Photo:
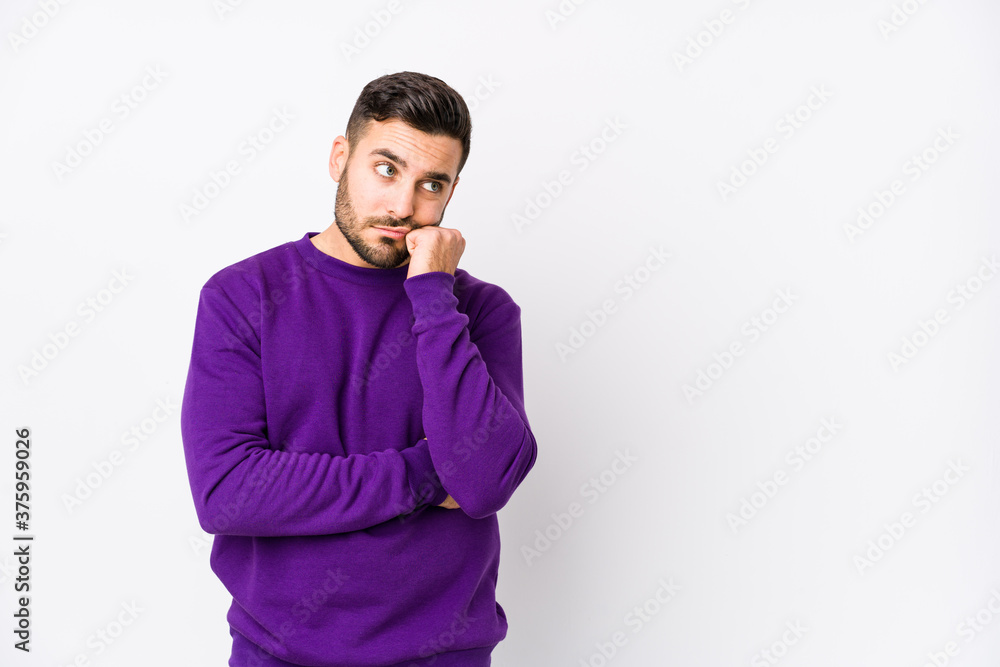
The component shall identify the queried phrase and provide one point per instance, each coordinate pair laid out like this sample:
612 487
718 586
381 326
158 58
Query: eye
387 167
434 186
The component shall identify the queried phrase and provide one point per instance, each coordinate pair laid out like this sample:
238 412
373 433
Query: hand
449 503
434 249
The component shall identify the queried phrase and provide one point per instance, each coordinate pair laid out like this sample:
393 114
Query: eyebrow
433 175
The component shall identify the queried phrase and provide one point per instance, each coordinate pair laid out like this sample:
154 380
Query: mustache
390 223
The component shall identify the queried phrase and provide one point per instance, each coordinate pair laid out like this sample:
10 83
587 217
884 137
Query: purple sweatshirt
328 410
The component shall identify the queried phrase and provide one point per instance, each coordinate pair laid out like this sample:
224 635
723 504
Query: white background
553 85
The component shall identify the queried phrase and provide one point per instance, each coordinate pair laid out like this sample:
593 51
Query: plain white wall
672 99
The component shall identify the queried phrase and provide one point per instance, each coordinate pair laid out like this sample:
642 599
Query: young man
353 417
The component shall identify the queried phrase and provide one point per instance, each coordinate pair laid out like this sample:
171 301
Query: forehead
421 151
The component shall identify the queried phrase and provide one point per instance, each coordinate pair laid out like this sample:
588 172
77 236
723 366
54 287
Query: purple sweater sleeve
473 413
243 484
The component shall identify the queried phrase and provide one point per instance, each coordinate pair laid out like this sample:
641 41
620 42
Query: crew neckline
338 268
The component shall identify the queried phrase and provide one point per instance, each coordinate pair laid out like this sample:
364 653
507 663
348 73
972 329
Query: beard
386 253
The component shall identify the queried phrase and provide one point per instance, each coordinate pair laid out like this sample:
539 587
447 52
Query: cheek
429 211
365 199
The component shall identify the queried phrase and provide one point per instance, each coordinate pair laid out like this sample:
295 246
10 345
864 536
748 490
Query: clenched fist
434 249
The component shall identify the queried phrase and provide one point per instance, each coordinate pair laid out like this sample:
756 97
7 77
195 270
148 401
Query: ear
338 156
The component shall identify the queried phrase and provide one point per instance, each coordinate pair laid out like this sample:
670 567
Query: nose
400 203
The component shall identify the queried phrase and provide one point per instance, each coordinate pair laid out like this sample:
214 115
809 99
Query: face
398 178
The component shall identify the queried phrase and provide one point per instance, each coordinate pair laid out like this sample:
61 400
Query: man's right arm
242 484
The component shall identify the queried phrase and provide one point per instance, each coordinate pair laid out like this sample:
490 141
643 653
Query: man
353 417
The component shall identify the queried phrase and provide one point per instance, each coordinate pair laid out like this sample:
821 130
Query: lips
394 232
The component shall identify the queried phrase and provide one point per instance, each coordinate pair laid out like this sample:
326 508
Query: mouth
393 232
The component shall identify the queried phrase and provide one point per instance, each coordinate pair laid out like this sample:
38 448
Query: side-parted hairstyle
423 102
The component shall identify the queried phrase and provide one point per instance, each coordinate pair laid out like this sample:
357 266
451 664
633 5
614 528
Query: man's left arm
473 412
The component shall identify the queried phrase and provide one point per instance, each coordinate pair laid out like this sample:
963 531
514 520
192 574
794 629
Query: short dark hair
423 102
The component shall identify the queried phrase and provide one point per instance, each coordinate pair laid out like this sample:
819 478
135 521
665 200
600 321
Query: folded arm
473 414
242 483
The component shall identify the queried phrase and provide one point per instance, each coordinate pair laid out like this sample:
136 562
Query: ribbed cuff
432 294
